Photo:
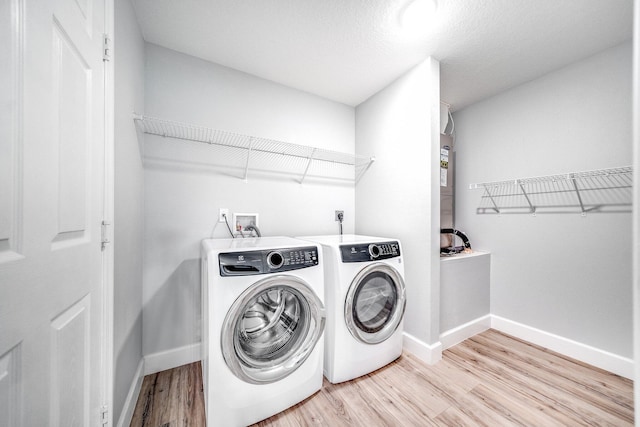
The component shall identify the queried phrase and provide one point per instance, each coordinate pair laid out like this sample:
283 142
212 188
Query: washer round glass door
375 303
271 329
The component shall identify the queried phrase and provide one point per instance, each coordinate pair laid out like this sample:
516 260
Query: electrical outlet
339 214
222 212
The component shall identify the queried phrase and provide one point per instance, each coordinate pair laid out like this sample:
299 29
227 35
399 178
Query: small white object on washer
365 300
263 319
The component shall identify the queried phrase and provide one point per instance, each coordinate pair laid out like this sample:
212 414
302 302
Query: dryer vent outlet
339 216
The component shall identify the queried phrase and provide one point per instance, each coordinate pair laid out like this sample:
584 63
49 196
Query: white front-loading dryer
365 300
263 322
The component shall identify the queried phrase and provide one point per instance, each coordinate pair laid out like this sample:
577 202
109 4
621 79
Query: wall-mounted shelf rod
178 130
254 146
601 190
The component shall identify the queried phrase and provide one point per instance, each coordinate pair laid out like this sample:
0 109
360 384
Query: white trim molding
132 397
460 333
429 353
619 365
170 359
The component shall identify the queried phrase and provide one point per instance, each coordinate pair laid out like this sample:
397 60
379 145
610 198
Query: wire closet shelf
602 190
305 156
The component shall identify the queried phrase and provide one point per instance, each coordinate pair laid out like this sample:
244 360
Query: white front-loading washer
263 322
365 300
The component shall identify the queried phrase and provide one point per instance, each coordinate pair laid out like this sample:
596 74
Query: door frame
108 369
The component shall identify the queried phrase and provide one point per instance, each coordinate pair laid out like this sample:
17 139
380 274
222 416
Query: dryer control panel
363 252
247 263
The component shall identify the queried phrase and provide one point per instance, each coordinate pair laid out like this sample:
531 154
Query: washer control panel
247 263
363 252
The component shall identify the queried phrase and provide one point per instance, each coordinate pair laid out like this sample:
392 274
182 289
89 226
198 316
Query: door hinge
106 47
104 415
105 234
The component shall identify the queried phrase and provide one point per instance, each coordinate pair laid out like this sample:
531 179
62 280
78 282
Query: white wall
183 190
399 197
561 273
128 220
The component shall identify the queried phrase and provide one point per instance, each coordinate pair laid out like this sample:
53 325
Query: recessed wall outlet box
242 220
339 214
222 212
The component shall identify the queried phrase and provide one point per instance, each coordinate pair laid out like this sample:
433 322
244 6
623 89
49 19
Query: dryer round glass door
375 303
271 329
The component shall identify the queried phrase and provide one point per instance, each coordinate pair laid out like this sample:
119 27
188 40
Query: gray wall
465 289
186 183
561 273
400 196
636 213
129 97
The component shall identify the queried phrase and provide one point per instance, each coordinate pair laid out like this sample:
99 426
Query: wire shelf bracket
601 190
256 146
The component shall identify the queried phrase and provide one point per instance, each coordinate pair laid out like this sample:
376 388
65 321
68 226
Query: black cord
228 228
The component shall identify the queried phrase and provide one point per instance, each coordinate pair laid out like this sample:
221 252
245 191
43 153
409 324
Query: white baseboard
132 397
423 351
173 358
458 334
619 365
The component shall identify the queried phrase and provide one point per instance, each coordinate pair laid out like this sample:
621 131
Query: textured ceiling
347 50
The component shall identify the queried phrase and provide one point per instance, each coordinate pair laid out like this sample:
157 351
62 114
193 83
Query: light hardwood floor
171 398
491 379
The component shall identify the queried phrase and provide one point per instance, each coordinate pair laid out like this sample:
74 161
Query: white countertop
463 255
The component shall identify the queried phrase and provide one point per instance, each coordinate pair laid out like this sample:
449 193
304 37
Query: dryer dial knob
275 260
374 251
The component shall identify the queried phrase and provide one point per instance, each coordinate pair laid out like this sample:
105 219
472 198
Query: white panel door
51 206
